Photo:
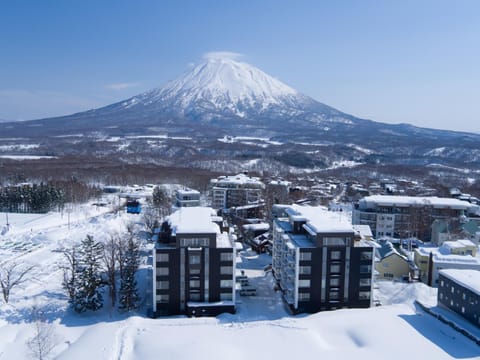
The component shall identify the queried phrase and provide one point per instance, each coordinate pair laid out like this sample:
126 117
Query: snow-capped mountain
225 98
222 86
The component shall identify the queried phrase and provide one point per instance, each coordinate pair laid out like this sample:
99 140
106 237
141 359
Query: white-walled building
234 191
407 216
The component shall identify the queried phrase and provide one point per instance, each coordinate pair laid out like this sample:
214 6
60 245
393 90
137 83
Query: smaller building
460 247
459 290
390 264
235 191
187 198
451 255
133 206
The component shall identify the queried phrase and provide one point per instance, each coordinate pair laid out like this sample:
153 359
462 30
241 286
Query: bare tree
44 338
121 253
110 260
70 272
12 275
150 219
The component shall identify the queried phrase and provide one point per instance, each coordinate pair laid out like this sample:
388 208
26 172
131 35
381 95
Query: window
463 310
162 257
334 241
365 282
305 270
194 242
303 283
194 259
303 296
226 283
464 296
365 269
335 282
364 295
194 271
453 289
335 255
226 296
162 285
333 295
194 283
226 270
366 255
441 296
162 271
305 256
334 269
163 298
441 282
226 256
195 296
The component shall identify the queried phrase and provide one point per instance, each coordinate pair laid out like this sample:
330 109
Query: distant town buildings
459 290
459 254
319 260
408 216
193 265
235 191
187 197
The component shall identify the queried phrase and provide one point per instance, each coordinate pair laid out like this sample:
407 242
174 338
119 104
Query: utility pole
6 215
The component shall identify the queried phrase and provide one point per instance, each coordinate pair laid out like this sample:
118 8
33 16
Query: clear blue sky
413 61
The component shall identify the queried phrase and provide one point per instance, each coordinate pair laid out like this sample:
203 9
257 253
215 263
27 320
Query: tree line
31 198
44 197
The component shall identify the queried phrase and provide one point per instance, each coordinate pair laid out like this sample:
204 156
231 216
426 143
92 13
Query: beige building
460 254
390 264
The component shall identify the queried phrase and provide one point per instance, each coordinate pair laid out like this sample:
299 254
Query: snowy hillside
261 329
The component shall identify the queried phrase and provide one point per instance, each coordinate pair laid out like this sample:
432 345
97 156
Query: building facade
451 255
459 290
234 191
408 216
193 265
390 264
187 198
319 261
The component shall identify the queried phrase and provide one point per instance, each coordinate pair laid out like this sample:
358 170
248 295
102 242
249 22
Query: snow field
261 329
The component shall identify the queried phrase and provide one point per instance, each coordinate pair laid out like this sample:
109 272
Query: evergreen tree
129 297
88 294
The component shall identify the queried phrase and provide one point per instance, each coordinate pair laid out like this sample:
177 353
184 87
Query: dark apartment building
459 290
194 265
319 260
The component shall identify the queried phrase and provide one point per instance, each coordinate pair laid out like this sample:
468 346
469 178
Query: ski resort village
223 214
242 267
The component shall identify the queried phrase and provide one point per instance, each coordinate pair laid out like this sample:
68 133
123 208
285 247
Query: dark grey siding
461 300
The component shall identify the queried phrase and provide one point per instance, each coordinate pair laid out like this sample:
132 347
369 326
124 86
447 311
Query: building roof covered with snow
239 180
194 220
414 201
320 220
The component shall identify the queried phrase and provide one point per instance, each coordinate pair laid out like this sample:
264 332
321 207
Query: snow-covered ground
262 328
